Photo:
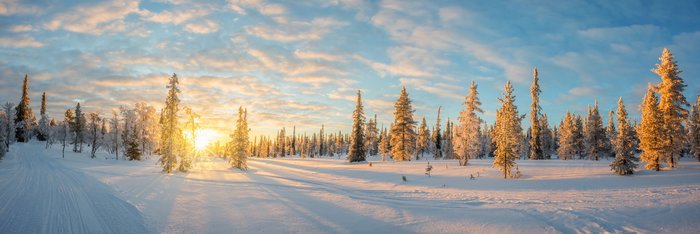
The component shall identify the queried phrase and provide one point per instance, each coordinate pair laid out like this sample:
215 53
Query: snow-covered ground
42 192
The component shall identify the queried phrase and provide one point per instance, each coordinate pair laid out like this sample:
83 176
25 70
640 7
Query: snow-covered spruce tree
132 151
536 145
170 130
672 105
624 163
595 138
78 129
449 139
24 120
579 143
403 135
524 150
43 128
555 139
3 147
384 147
611 133
508 132
694 130
321 141
567 138
486 140
650 131
467 139
356 151
103 133
340 144
9 133
546 137
94 122
239 141
437 138
371 137
423 139
293 142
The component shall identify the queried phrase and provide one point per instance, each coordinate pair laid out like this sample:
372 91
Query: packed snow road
40 195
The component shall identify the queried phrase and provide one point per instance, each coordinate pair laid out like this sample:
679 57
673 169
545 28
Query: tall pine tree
78 129
403 135
624 163
43 129
423 139
384 147
694 130
449 139
611 132
546 137
356 150
170 130
437 138
239 141
536 148
672 105
568 138
508 132
650 131
467 142
595 138
25 120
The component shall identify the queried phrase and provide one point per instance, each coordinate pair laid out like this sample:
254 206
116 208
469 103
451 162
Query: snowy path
40 195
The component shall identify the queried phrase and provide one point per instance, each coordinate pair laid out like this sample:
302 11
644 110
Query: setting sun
204 137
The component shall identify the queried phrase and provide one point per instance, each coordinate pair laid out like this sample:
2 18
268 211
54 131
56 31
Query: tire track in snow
40 195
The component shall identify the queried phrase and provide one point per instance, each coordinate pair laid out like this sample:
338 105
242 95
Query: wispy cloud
95 19
203 27
16 7
289 31
20 41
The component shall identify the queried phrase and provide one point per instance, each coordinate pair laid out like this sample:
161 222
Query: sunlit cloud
203 27
96 19
293 30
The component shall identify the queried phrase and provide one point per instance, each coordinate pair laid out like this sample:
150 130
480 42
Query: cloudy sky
300 62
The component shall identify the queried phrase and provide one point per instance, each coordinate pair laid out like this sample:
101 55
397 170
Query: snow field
42 192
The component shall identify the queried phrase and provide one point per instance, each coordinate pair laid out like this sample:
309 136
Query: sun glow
204 137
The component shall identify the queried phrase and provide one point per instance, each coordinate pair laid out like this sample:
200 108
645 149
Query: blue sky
300 62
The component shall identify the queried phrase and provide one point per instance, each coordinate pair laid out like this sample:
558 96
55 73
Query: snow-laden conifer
672 104
650 131
403 135
536 151
25 121
437 138
356 150
239 141
171 134
508 133
467 141
625 162
694 130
